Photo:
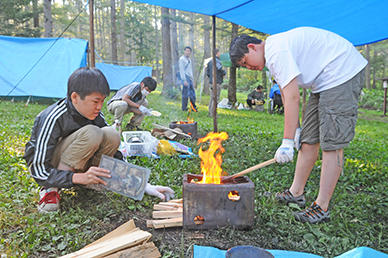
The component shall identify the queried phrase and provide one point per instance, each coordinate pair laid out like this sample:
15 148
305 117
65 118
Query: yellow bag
164 147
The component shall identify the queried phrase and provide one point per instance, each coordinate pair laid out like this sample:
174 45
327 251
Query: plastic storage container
126 179
139 143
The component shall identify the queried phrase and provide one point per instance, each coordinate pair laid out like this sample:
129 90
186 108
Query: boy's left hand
163 192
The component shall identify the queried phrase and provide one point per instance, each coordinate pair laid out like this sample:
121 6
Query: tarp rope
48 49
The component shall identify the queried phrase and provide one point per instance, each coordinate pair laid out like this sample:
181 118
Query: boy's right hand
91 176
285 152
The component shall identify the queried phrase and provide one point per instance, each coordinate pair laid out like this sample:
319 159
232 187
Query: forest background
131 33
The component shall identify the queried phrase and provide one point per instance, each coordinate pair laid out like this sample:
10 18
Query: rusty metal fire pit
208 206
186 127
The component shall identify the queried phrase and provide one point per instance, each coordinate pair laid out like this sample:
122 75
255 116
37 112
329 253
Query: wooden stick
248 170
167 214
172 130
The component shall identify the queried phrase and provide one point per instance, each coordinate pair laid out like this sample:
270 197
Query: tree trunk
181 41
192 41
174 43
367 70
157 36
166 45
264 78
35 13
122 24
102 35
48 19
206 51
374 68
113 33
232 77
78 5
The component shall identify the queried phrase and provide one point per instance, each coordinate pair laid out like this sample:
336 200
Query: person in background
220 79
132 99
186 79
333 69
69 137
276 97
256 97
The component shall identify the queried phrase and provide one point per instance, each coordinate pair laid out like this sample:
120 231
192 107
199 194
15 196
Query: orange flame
233 196
211 158
189 121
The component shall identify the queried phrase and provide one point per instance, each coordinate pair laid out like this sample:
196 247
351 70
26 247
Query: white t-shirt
320 59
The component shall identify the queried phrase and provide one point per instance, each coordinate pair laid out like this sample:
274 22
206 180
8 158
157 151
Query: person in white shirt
333 69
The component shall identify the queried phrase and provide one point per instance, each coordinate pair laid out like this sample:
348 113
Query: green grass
359 206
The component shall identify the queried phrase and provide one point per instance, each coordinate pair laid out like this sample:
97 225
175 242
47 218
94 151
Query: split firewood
167 214
171 204
148 250
125 241
165 223
124 228
112 245
176 201
158 207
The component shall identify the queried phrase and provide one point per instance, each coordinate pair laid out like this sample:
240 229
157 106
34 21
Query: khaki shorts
331 115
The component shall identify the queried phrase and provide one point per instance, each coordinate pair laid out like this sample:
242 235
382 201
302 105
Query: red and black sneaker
49 200
313 214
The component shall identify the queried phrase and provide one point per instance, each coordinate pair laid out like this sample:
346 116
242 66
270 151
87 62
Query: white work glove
297 138
163 192
285 152
145 110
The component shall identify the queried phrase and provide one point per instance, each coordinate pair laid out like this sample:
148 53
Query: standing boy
334 71
186 78
220 73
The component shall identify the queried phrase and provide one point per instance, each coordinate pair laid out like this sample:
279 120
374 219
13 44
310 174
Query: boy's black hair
84 81
259 87
149 82
188 48
238 47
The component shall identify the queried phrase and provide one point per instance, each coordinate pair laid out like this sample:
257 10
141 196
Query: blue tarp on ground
359 21
119 76
359 252
39 66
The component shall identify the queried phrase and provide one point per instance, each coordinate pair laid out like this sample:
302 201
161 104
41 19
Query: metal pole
385 86
92 58
214 76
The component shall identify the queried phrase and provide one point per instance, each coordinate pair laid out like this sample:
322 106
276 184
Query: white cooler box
139 143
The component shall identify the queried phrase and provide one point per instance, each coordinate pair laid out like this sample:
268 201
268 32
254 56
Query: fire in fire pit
207 203
189 127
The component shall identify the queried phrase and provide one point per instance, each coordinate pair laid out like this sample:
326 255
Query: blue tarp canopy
359 21
37 66
40 67
119 76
